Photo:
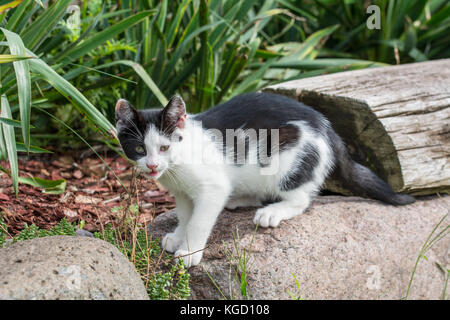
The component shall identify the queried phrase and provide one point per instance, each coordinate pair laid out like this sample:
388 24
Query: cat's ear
174 115
125 112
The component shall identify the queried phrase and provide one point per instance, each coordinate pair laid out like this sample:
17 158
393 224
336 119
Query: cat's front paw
171 242
267 217
189 259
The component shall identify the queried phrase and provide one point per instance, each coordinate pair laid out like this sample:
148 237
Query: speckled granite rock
63 267
341 248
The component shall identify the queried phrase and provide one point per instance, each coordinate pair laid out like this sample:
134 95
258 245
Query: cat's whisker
168 129
135 127
135 139
133 133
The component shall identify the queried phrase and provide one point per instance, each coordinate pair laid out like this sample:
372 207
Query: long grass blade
11 122
20 147
10 143
22 70
310 44
10 5
6 58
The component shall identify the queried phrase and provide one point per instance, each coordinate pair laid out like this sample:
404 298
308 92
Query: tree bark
395 120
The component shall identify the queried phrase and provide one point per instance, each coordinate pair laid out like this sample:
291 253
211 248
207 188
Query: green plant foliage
43 26
169 285
416 29
47 186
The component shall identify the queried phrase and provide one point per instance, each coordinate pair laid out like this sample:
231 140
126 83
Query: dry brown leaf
87 200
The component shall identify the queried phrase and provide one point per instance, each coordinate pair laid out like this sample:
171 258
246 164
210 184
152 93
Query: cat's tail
362 180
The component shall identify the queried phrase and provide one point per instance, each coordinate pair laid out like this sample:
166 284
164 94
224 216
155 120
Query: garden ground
91 194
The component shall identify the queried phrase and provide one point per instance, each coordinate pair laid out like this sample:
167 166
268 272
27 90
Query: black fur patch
288 136
259 110
169 116
308 159
132 125
262 111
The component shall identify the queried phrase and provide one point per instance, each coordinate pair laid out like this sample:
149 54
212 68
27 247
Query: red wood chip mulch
92 191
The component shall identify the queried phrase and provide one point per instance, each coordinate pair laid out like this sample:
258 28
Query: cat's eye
140 149
164 148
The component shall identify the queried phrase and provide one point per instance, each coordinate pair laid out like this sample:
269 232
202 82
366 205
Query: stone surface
64 267
341 248
84 233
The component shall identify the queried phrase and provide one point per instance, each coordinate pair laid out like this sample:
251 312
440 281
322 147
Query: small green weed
238 259
435 236
3 230
63 228
292 295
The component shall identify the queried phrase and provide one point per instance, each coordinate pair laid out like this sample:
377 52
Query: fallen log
395 120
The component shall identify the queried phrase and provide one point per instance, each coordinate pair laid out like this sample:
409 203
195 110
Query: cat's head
150 137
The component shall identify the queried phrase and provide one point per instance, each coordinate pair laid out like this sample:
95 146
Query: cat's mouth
154 173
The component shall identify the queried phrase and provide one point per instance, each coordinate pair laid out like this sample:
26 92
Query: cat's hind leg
292 203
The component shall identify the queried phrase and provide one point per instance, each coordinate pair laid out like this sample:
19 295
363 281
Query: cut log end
394 120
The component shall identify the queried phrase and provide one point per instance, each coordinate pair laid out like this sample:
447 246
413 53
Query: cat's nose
152 166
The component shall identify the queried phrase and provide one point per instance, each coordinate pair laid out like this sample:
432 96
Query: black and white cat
257 149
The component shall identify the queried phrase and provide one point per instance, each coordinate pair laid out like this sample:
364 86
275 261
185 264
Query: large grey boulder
341 248
64 267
